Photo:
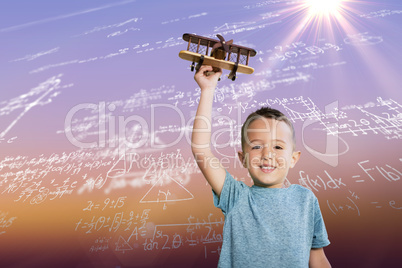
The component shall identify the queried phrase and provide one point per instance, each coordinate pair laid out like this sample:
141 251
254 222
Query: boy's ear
295 158
242 158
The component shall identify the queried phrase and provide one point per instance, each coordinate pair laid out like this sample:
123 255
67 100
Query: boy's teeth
267 167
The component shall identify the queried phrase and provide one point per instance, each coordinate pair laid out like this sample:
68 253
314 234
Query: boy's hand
207 77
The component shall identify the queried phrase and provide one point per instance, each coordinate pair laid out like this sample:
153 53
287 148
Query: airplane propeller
224 44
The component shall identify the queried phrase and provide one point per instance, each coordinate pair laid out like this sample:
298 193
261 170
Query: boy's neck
276 186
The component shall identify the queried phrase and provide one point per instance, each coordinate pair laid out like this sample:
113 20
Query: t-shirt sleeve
229 195
320 236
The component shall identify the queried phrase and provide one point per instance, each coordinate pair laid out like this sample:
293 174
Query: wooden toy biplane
224 54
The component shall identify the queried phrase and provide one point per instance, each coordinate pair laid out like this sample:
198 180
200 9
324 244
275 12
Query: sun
323 7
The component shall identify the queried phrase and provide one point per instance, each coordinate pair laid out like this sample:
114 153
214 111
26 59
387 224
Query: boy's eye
278 147
256 147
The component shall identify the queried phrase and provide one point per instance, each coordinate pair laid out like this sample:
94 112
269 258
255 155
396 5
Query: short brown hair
267 112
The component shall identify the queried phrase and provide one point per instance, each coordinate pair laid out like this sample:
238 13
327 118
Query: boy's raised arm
207 78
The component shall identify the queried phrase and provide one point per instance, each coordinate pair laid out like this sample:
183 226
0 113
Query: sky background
96 110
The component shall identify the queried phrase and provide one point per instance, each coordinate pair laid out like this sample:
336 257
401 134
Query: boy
266 225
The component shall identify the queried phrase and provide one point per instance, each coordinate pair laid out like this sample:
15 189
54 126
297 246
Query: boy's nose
267 155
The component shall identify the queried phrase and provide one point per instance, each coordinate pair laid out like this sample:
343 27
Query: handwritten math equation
6 221
370 173
381 13
350 204
375 117
114 223
127 231
346 205
298 49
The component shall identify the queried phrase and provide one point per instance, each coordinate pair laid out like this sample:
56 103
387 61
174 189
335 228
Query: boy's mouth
267 168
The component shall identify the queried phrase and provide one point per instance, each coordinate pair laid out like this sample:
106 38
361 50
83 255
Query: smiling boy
266 225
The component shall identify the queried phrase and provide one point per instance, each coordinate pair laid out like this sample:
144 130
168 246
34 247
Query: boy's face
268 152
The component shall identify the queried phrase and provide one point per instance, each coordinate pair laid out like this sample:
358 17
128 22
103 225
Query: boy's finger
217 70
204 68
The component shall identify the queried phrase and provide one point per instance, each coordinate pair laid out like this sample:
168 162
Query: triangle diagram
166 189
122 245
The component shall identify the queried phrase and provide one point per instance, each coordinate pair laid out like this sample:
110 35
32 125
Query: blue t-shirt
269 227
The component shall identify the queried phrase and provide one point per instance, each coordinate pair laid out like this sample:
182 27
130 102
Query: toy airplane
224 54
